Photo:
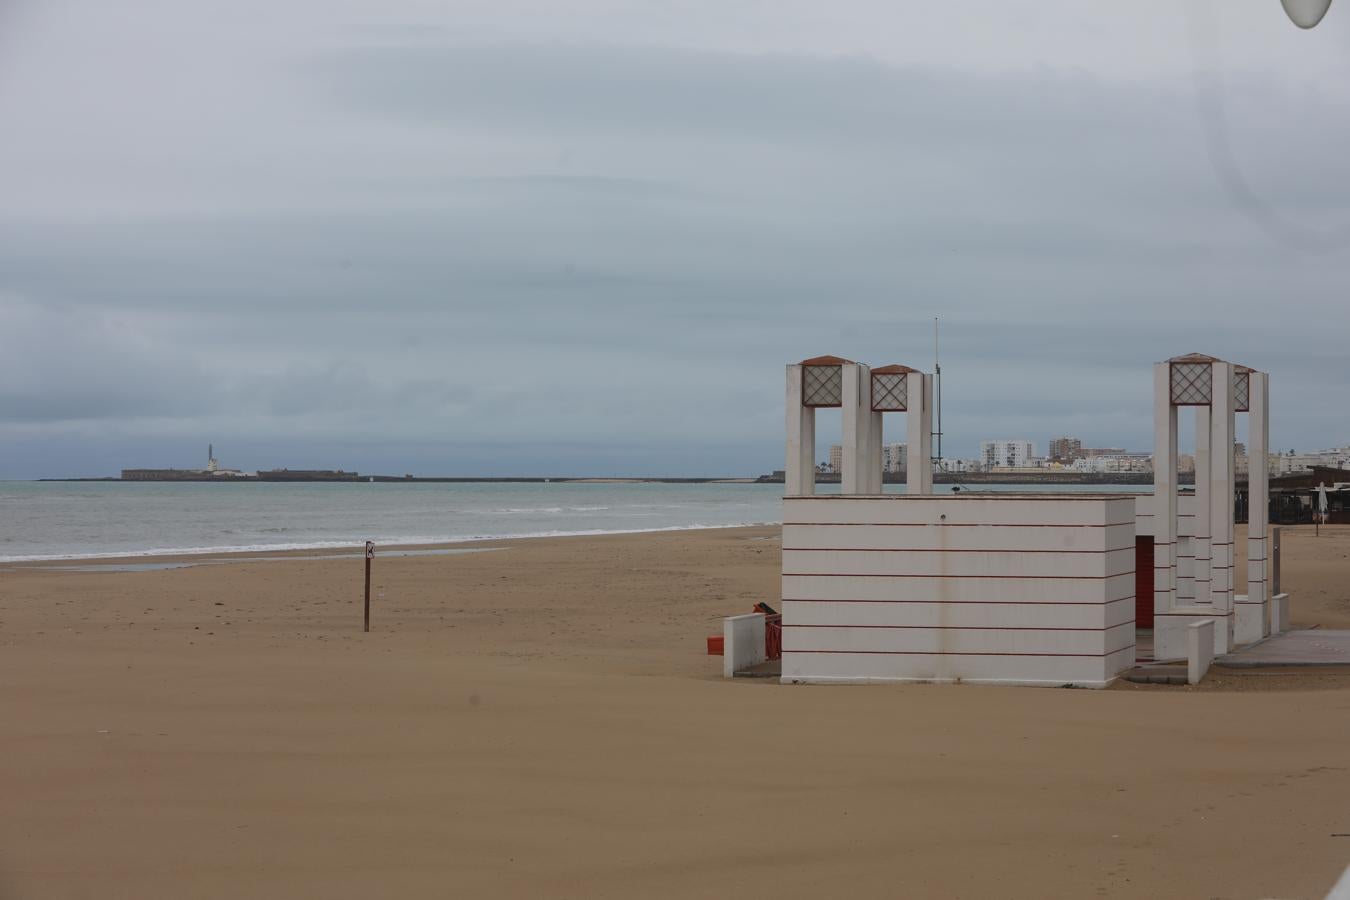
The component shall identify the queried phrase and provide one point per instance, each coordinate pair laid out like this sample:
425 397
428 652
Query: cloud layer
512 243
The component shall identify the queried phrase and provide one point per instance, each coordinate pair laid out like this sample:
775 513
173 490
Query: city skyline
1096 459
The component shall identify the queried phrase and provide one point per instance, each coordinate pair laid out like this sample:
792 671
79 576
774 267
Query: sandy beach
541 720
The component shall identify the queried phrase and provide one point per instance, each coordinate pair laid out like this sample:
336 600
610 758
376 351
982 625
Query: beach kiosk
1003 588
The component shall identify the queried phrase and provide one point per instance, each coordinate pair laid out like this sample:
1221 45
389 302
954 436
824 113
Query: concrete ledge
1279 614
898 679
1171 631
1199 649
1157 675
1250 620
742 642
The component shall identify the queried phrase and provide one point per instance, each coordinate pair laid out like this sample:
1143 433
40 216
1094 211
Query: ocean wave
389 542
554 510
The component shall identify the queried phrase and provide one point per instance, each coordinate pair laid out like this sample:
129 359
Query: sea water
89 520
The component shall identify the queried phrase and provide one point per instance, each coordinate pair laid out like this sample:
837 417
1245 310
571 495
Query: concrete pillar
895 388
1221 504
856 414
1255 623
800 472
1164 493
1204 556
1195 380
919 430
1185 567
874 464
927 415
874 485
1274 558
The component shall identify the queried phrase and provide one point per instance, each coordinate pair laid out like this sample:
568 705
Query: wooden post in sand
370 554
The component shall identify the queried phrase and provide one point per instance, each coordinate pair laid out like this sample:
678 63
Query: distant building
836 458
1064 449
1301 462
893 458
1000 454
212 472
1090 452
1116 463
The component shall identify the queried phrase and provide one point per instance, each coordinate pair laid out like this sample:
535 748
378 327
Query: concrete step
1156 675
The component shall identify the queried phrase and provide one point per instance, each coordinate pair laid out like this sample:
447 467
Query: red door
1143 581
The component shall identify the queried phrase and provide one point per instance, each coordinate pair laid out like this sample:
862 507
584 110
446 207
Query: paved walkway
1315 647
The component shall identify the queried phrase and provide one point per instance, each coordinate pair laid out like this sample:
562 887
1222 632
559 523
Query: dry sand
541 721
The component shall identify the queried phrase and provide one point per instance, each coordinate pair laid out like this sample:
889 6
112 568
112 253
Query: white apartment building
836 458
1300 462
893 458
999 454
1116 462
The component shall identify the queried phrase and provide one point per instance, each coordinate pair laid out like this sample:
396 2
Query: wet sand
543 721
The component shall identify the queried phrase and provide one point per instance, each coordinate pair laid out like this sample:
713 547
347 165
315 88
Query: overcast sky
584 236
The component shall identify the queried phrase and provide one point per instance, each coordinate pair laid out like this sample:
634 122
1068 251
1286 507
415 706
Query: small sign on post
370 554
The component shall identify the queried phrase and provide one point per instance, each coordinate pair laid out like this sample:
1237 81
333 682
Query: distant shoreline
416 479
1140 478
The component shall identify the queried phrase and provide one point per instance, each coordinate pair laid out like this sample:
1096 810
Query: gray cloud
425 244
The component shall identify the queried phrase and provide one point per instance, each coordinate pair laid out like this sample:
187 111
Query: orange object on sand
715 645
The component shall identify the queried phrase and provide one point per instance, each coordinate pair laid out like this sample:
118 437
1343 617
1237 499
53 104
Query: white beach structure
1004 588
897 388
862 396
1193 560
1016 588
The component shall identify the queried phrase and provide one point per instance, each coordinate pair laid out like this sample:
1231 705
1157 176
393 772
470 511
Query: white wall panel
957 537
1049 671
955 589
1010 588
960 563
1058 510
961 615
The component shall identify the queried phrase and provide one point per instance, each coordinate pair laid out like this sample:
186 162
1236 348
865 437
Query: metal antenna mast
937 376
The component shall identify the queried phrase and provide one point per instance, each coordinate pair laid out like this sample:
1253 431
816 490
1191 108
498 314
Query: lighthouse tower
211 464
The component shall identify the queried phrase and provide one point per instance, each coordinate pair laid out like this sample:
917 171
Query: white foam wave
553 510
388 541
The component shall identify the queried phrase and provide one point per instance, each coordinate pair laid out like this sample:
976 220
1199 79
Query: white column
1164 493
856 414
1185 567
1203 533
919 431
927 434
800 473
1221 504
1258 495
